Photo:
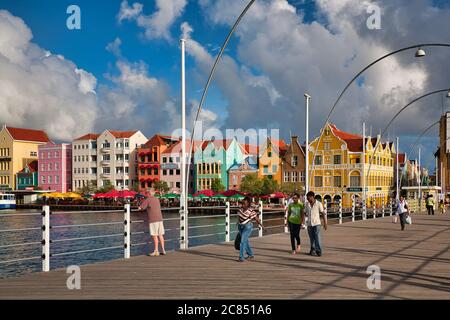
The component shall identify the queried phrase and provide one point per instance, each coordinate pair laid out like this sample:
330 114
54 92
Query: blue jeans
314 238
245 230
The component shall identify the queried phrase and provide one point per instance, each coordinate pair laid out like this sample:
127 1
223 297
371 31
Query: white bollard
46 238
260 231
374 209
227 222
364 210
340 211
353 209
382 209
127 231
390 207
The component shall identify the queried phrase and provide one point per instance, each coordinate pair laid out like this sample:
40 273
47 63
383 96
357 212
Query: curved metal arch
392 120
362 71
208 82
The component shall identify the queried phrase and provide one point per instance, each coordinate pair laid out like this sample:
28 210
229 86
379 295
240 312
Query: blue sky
280 50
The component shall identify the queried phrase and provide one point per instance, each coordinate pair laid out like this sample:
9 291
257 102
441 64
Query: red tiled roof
28 134
401 158
33 166
344 135
159 140
89 136
122 134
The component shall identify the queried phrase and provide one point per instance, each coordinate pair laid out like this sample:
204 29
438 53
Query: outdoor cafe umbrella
219 197
170 196
201 196
71 195
53 195
236 196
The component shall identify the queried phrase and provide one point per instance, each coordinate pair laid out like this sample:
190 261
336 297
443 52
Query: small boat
7 201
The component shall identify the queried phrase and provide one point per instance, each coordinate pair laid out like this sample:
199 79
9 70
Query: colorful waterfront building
213 159
293 165
171 167
55 167
18 147
109 158
239 171
340 167
270 158
149 160
27 178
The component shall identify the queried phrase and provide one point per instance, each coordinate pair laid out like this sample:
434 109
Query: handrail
224 226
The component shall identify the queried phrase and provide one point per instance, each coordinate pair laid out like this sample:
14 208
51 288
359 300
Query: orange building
149 160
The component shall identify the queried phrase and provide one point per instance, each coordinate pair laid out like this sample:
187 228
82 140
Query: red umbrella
278 195
208 193
230 193
264 197
112 194
98 196
156 179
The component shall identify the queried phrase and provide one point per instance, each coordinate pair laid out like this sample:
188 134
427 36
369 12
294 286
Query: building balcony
105 175
105 162
105 149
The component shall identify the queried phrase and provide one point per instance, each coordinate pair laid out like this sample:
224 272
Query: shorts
156 228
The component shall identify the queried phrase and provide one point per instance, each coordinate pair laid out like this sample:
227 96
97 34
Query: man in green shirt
295 218
430 204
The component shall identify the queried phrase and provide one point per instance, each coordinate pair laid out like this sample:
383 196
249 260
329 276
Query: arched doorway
318 197
327 198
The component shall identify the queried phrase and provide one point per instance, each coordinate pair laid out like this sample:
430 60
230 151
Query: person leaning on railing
155 219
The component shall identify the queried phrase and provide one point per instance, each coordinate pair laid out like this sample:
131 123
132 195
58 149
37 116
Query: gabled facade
150 160
238 171
269 162
293 164
18 147
340 167
27 178
213 159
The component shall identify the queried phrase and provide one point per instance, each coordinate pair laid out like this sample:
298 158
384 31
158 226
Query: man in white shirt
402 211
313 210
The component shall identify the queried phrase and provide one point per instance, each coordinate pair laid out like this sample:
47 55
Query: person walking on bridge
402 211
430 204
155 219
247 215
295 212
314 209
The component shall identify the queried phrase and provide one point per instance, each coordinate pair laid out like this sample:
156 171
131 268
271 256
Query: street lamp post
307 98
183 198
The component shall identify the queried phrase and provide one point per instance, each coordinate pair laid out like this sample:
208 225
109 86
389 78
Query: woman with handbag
402 211
246 217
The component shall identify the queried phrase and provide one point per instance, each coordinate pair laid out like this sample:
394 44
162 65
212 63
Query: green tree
88 189
290 187
217 186
252 184
106 188
269 185
161 186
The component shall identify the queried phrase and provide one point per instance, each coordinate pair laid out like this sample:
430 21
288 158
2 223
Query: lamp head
448 94
420 53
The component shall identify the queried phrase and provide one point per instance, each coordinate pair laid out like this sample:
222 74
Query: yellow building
269 162
18 147
339 167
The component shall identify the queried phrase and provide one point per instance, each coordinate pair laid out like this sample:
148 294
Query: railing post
374 209
391 204
364 209
227 222
183 230
353 209
286 229
340 211
46 238
382 209
127 231
260 231
325 207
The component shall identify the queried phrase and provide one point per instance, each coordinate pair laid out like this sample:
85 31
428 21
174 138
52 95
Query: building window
337 159
269 154
355 181
318 181
302 176
106 157
274 168
49 167
49 179
294 161
178 184
106 170
318 160
327 145
42 179
295 176
337 181
286 177
266 169
56 179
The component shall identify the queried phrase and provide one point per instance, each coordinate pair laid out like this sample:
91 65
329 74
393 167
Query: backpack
237 241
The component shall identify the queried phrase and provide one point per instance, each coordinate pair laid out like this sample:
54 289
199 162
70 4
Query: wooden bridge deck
415 264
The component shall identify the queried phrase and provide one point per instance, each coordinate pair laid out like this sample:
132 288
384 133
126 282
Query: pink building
55 167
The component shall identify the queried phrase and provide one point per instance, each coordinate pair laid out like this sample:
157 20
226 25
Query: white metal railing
223 227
